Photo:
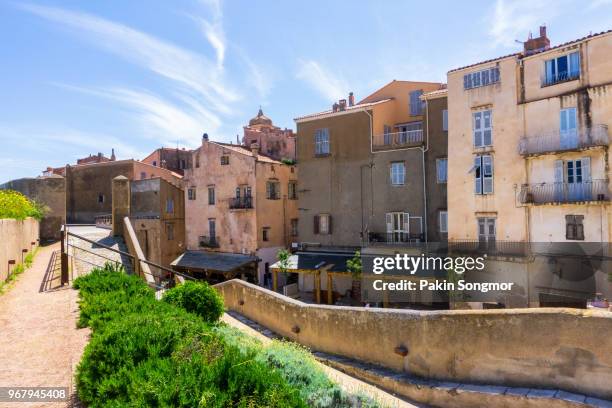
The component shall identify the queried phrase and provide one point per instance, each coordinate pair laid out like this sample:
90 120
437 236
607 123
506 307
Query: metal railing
104 221
564 141
237 203
208 242
489 246
164 279
397 140
397 238
547 193
560 77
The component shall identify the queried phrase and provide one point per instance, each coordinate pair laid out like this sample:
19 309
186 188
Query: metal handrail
99 244
553 141
397 139
542 193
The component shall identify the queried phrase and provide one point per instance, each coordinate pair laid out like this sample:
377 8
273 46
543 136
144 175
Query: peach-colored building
273 141
239 201
529 142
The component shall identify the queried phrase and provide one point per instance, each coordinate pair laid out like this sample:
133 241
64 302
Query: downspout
371 165
424 150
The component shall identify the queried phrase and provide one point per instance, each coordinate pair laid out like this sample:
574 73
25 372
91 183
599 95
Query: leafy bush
17 206
197 297
144 352
149 353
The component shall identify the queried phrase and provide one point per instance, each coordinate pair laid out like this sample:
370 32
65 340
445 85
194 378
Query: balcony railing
104 221
396 238
208 242
489 246
548 193
239 203
564 141
560 77
397 140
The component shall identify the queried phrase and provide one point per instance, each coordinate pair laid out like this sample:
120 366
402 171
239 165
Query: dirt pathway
39 343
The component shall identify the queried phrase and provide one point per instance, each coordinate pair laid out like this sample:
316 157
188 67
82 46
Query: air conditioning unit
297 246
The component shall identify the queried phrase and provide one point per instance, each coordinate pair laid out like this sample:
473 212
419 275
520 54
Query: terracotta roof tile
348 109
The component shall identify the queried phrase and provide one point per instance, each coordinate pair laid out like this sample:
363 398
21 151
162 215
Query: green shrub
17 206
149 353
197 297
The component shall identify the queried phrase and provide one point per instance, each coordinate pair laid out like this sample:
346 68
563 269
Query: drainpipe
424 150
371 166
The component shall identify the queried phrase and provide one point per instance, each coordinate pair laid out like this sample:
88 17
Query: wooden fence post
64 257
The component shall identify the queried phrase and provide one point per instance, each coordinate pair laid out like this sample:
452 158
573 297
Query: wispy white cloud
328 84
512 20
158 118
195 72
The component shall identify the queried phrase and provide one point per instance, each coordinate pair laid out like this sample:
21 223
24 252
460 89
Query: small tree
354 265
283 260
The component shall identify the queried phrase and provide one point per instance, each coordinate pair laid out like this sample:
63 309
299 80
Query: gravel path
40 345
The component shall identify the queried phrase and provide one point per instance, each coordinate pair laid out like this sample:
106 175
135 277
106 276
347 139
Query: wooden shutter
477 123
574 63
558 171
477 175
406 222
445 119
487 174
268 190
389 222
316 224
329 224
586 168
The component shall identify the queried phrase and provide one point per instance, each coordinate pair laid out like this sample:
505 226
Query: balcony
241 203
564 141
563 76
394 238
397 140
208 242
490 247
563 193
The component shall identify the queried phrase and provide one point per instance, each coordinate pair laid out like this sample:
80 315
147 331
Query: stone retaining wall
566 349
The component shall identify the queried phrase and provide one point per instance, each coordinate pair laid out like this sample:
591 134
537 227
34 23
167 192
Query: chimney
204 138
255 149
113 158
533 45
342 103
335 107
351 99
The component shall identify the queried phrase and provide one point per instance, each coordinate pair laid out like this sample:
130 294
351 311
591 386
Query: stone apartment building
173 159
529 136
366 168
241 208
157 213
91 159
89 186
273 141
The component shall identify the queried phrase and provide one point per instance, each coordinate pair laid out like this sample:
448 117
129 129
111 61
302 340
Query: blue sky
78 77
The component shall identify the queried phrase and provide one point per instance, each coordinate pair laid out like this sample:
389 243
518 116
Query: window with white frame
445 120
563 68
442 170
322 141
398 173
483 128
443 221
574 228
483 174
481 78
398 226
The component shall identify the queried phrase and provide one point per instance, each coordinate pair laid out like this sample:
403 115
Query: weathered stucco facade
272 140
549 144
157 214
89 186
243 216
370 179
173 159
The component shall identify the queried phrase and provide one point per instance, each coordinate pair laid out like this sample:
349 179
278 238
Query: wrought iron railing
560 77
236 203
398 238
564 141
208 242
545 193
397 140
489 246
